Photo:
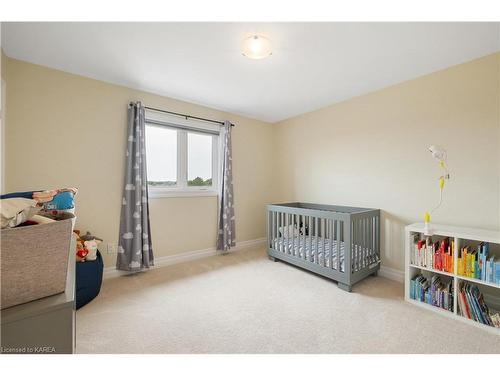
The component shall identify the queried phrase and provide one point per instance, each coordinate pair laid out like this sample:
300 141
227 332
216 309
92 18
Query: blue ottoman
88 280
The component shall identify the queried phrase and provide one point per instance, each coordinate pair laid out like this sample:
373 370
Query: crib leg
345 287
375 273
272 258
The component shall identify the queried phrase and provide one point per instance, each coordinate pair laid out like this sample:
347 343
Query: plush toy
81 251
90 243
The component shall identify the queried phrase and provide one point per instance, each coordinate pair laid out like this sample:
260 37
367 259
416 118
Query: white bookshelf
461 236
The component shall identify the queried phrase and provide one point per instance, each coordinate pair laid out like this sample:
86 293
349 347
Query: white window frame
183 127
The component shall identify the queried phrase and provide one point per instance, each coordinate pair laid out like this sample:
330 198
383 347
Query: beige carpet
244 303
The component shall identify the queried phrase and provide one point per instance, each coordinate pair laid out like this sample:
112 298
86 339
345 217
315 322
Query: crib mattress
298 244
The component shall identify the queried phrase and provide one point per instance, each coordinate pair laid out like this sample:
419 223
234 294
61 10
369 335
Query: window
199 167
161 156
181 161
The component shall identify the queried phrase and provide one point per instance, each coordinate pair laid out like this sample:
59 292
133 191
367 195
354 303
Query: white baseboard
392 274
110 272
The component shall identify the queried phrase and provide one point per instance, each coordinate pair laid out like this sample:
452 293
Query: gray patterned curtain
134 245
226 236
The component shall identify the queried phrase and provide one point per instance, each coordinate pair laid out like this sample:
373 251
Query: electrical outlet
112 248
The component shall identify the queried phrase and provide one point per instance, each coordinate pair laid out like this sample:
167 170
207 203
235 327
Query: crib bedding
298 243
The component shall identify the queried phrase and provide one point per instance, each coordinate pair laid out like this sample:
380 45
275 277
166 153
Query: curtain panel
226 224
135 251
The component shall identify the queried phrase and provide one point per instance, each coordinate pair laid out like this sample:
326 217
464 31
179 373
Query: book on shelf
478 263
475 262
433 255
432 291
471 305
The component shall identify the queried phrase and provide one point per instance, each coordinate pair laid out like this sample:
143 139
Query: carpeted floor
244 303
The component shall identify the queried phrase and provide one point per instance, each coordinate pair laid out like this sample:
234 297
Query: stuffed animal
90 243
81 251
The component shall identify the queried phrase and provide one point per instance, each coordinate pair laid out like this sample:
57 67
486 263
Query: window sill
171 193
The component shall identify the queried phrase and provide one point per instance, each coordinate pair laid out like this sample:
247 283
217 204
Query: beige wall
67 130
371 151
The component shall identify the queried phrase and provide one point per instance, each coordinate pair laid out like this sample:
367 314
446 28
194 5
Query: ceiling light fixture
257 47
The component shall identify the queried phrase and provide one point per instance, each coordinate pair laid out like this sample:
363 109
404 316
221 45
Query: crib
338 242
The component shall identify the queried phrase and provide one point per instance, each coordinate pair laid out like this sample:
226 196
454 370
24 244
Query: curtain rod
186 116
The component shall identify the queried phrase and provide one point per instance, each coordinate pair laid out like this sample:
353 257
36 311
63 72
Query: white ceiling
313 64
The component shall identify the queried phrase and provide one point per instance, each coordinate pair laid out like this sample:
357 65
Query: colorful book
472 305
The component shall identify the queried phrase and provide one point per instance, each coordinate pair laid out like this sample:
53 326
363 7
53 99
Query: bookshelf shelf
432 270
450 314
460 236
431 307
470 279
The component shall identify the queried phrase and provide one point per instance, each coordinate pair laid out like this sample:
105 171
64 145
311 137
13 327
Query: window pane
199 160
161 154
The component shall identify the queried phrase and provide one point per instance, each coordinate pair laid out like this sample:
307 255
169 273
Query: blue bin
88 280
